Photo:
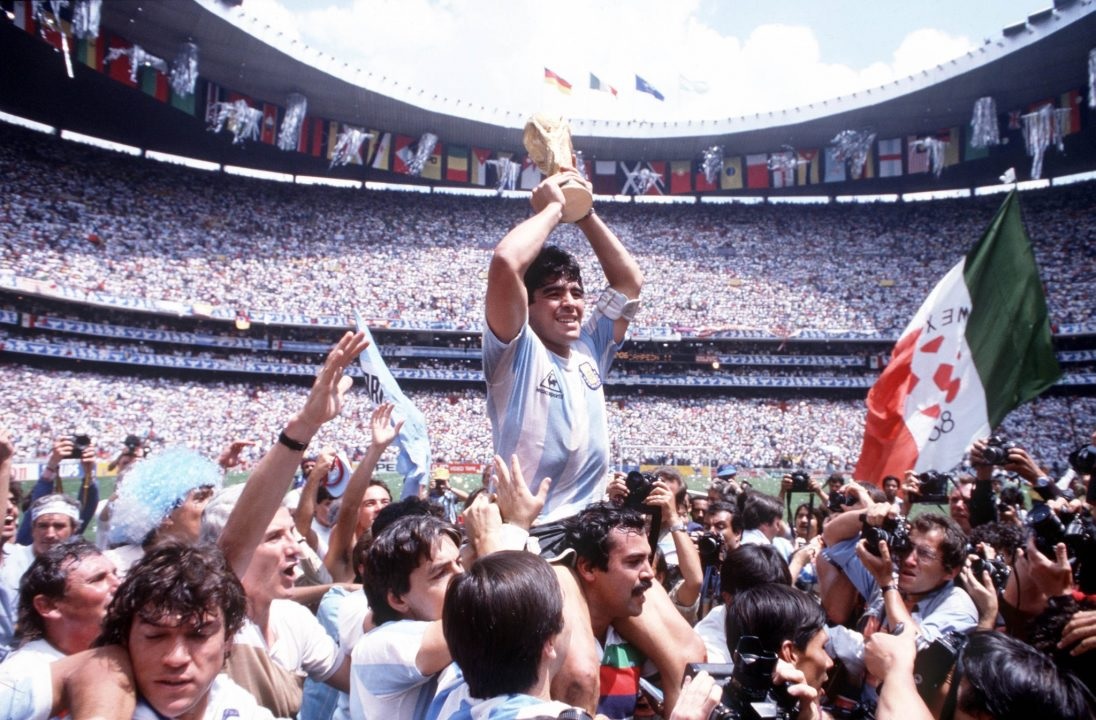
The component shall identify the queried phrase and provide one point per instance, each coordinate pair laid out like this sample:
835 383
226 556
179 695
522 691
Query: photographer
75 447
685 593
994 452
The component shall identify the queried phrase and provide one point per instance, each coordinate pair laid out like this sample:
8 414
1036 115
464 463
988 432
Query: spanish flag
560 84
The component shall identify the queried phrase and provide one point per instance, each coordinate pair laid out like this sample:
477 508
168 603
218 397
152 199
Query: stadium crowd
90 220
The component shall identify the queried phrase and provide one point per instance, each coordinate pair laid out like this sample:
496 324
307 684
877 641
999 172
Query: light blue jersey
550 411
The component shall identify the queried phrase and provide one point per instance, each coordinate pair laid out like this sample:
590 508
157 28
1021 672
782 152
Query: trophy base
579 200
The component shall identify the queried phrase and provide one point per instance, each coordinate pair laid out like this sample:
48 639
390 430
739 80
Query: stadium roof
1039 58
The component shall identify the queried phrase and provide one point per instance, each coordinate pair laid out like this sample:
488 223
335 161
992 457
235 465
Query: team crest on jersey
550 385
590 375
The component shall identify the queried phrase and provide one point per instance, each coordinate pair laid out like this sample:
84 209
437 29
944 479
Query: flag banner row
392 152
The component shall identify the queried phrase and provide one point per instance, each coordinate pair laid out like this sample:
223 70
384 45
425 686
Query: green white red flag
979 346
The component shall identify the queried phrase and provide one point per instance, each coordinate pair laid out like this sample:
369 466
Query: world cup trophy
547 139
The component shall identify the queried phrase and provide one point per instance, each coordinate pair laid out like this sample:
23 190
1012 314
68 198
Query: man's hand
1023 464
809 702
483 523
661 497
618 488
886 654
62 450
1080 632
1052 578
880 567
230 456
325 400
381 425
983 592
7 447
517 505
699 696
549 192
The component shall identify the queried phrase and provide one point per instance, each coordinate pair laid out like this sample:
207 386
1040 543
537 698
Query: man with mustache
613 569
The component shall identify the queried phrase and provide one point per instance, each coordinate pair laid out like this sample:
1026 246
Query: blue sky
709 58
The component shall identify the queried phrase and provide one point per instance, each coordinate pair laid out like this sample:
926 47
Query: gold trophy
547 139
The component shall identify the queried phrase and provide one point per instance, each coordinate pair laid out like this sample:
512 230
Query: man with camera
75 447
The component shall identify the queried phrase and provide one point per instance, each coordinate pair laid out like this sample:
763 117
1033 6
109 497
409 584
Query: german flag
560 84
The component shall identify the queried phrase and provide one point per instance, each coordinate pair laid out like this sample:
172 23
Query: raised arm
341 542
620 268
306 505
507 301
268 483
7 453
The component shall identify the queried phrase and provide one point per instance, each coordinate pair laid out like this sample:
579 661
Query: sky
709 58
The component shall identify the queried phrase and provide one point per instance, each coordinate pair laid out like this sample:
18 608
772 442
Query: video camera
748 690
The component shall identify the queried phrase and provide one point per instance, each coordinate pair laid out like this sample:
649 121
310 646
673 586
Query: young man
396 665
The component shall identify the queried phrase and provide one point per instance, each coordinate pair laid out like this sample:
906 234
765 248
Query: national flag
783 169
731 178
24 16
1014 119
401 154
269 131
119 66
318 140
556 81
306 134
412 443
1072 121
456 164
605 172
494 168
835 168
970 152
644 178
954 143
479 159
700 178
917 156
890 157
806 170
867 170
530 174
979 346
90 52
154 83
680 181
694 86
333 130
646 87
432 169
601 86
380 159
757 171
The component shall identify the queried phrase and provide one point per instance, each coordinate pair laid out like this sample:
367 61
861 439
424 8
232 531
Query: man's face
374 500
814 662
620 589
959 506
186 520
834 484
48 530
89 587
272 571
555 314
890 489
322 512
804 524
428 582
720 522
699 510
11 521
175 664
922 570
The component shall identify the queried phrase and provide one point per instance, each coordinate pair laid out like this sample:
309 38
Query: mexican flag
979 346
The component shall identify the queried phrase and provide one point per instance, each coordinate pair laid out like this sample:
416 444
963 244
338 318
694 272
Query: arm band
615 305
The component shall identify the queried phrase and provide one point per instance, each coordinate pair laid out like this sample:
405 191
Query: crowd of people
703 430
89 220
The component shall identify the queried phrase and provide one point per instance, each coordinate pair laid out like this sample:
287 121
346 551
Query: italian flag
979 346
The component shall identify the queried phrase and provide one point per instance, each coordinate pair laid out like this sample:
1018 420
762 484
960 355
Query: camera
934 488
1083 460
998 569
895 532
639 486
800 482
1047 528
934 664
839 501
748 690
708 545
996 450
80 443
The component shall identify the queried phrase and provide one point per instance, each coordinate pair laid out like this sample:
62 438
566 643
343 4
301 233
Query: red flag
119 66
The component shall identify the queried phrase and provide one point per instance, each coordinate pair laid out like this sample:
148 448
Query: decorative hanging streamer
507 172
184 71
241 119
785 161
347 146
1092 78
1043 128
983 124
580 165
55 22
138 57
85 18
713 163
296 106
423 150
936 148
853 146
641 179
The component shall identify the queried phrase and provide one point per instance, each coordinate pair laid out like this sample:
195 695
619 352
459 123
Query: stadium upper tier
88 222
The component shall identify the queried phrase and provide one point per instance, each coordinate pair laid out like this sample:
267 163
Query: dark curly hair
588 532
550 264
395 553
48 576
172 580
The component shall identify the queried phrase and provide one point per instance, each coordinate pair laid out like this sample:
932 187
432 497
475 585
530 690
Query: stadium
165 280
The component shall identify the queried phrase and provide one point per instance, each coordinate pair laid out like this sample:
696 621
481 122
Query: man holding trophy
545 355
